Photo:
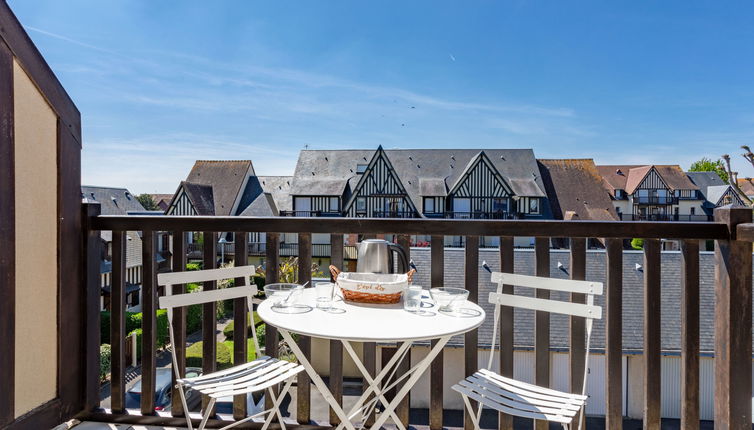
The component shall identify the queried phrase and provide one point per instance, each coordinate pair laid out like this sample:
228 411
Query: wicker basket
371 287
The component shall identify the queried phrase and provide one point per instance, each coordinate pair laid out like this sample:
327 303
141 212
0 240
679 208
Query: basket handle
334 271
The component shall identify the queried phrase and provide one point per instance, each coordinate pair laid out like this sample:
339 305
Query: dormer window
361 168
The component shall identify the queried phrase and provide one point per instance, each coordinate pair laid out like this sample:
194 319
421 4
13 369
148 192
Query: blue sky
161 84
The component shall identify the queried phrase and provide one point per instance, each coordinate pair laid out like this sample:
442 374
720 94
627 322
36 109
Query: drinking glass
325 291
284 297
448 299
412 298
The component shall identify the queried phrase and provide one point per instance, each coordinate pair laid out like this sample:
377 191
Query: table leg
374 384
420 368
316 379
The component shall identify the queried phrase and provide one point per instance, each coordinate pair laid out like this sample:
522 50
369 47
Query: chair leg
472 414
185 407
206 413
276 402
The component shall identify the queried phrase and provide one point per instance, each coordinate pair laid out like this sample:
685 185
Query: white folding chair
264 373
518 398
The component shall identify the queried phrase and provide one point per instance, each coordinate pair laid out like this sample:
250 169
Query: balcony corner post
91 261
733 318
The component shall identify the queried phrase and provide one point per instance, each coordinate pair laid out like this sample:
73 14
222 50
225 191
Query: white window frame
427 208
361 204
534 201
337 204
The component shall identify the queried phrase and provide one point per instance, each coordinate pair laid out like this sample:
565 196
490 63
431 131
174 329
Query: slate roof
329 172
633 288
117 201
201 197
747 186
227 179
629 177
113 201
711 186
280 189
263 205
575 185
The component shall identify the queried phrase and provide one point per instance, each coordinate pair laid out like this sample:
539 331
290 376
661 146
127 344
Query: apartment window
334 204
500 205
361 168
693 210
429 204
533 206
361 205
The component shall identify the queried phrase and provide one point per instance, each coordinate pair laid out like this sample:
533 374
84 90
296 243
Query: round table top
372 323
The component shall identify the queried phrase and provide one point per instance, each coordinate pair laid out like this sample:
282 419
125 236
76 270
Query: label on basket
366 287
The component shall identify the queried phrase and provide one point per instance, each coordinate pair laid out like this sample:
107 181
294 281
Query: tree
707 165
148 202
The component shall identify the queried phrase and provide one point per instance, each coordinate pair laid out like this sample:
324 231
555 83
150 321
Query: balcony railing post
471 338
507 258
240 315
148 323
272 275
652 328
336 347
118 323
209 313
733 318
179 318
542 322
93 243
436 370
303 382
690 335
577 350
613 335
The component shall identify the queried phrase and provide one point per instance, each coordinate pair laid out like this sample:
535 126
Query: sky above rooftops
162 84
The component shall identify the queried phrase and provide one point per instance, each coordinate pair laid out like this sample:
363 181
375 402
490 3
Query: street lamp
222 243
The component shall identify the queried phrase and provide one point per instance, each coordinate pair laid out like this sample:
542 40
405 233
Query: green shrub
228 330
193 266
105 357
250 351
637 243
260 334
133 321
223 355
193 319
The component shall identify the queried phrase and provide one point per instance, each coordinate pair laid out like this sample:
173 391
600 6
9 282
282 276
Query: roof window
361 168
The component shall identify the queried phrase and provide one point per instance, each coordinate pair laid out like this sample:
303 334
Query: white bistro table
371 323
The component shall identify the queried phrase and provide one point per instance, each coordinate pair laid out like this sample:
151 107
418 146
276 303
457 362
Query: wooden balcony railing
733 230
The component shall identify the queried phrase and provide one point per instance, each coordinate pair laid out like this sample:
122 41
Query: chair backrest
170 301
169 279
589 288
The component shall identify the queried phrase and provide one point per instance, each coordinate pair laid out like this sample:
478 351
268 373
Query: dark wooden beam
542 322
505 421
437 279
368 226
471 338
209 313
7 239
118 324
733 260
179 319
690 335
272 275
577 351
93 256
613 335
336 347
404 366
148 323
652 327
35 66
240 317
303 382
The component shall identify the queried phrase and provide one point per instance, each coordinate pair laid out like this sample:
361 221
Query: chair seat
248 377
519 398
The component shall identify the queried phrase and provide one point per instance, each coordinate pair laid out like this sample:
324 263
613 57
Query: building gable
181 204
379 186
652 181
481 179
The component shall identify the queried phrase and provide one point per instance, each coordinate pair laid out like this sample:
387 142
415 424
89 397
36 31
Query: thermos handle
403 257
